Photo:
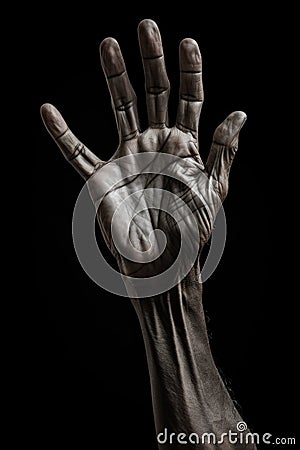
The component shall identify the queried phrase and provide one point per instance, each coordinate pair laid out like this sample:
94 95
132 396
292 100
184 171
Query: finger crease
116 75
97 166
184 127
190 98
153 57
155 90
125 106
131 135
191 71
61 135
79 148
154 124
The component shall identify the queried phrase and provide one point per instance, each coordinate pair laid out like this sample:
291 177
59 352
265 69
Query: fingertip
107 44
239 117
150 39
53 120
188 42
44 108
147 24
190 56
111 57
228 131
47 110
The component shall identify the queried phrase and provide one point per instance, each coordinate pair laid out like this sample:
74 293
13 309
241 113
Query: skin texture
187 391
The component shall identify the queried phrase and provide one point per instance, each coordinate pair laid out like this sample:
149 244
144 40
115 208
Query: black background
91 374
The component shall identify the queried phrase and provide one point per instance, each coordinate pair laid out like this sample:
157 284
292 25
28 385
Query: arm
188 393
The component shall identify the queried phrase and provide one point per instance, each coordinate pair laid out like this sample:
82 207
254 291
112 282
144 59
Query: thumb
223 150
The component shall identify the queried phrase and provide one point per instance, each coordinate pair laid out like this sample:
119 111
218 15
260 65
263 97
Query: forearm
187 391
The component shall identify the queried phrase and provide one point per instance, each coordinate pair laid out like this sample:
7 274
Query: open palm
133 188
156 203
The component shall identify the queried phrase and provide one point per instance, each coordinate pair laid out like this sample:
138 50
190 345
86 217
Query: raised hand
156 180
180 141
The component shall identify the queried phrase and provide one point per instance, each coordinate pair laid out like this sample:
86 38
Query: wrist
159 284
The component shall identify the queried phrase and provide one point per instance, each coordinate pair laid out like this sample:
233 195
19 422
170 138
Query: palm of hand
144 196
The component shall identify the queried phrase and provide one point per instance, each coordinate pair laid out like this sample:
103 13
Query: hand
172 191
195 181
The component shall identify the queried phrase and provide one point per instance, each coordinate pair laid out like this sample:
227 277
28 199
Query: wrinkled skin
157 315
